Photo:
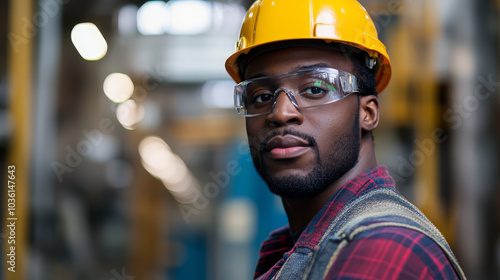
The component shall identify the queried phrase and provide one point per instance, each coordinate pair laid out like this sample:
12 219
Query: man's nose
284 111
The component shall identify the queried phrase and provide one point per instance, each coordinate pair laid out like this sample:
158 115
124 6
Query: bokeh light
150 18
188 17
118 87
89 41
129 114
159 160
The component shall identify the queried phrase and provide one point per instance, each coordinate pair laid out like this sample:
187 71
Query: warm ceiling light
118 87
159 160
89 41
129 114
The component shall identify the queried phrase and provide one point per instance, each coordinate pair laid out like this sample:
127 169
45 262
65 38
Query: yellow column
20 46
427 119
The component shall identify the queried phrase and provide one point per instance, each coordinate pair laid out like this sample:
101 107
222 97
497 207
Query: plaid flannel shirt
381 253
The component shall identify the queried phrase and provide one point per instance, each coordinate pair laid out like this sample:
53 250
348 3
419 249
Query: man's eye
314 91
318 89
261 98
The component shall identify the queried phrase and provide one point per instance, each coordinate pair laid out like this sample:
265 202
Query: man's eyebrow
311 66
260 75
299 67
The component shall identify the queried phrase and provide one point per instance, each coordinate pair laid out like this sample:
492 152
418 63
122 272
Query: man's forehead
276 62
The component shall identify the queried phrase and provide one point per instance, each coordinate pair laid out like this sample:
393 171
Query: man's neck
300 211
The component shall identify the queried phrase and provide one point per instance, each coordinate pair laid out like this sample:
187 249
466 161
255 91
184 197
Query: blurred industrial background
130 162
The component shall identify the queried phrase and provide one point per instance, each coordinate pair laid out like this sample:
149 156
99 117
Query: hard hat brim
382 77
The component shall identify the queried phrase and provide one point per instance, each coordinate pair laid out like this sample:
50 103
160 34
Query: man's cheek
254 148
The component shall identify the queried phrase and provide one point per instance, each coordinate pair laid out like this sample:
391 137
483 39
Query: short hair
365 75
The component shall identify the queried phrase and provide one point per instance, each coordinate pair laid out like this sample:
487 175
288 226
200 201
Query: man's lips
285 147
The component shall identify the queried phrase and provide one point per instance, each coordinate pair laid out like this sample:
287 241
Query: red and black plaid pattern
381 253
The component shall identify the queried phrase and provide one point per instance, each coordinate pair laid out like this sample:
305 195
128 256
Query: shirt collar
375 178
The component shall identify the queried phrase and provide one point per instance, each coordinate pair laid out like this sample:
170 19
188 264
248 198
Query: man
309 73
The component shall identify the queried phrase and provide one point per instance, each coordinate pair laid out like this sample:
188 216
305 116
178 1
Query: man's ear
368 112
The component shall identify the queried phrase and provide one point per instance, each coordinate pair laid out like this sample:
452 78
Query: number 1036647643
11 190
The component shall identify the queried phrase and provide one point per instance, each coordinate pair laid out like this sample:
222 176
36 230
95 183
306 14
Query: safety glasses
305 89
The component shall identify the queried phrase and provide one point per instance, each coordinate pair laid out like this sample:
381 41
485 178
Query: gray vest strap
381 207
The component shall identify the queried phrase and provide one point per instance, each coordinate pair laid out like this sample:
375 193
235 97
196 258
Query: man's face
302 152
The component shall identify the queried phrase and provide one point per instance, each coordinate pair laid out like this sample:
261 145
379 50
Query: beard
342 156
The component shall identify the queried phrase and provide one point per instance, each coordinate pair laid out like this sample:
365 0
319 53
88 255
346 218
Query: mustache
302 135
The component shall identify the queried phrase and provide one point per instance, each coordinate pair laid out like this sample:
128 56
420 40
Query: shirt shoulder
391 253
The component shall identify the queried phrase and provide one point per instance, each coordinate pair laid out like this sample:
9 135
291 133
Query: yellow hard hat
341 21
